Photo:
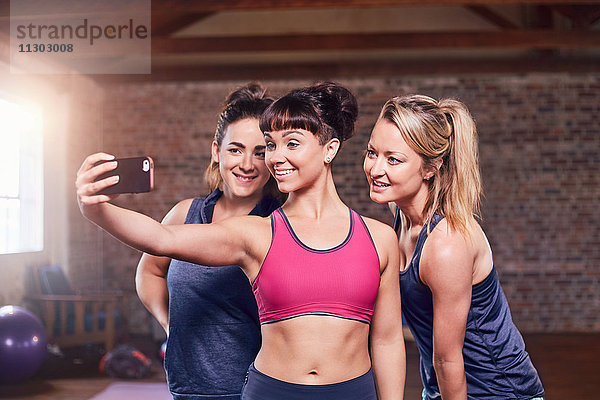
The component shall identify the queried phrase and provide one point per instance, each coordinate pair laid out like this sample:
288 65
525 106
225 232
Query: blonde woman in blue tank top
422 158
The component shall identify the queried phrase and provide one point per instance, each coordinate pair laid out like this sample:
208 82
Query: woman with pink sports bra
325 279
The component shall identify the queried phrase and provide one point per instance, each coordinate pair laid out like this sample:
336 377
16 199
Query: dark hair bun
326 109
248 101
338 107
248 93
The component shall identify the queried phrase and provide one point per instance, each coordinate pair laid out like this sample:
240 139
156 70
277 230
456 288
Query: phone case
136 175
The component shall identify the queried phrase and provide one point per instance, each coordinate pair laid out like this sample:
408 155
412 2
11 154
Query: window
21 179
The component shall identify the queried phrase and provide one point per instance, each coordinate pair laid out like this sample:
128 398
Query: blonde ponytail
462 186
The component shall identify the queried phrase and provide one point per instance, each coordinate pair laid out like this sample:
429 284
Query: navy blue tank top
214 332
496 363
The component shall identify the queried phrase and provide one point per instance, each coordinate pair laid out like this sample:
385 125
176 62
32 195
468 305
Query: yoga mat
134 391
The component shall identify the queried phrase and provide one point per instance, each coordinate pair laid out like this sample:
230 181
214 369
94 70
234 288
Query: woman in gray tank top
210 314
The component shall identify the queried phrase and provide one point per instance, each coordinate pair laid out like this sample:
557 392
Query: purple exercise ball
23 343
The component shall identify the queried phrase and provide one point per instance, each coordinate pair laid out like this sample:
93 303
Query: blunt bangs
290 113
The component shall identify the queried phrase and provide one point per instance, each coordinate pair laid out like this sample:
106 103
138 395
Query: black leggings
259 386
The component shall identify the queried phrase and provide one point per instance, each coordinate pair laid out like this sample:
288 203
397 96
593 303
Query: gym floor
567 363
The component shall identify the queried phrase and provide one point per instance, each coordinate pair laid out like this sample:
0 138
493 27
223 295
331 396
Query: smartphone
136 175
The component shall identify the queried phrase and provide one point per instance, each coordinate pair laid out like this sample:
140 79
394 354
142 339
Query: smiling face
241 159
296 159
394 170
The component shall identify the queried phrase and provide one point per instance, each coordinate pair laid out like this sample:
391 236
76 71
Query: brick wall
540 156
85 263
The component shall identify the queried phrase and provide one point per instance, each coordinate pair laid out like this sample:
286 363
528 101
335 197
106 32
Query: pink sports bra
297 280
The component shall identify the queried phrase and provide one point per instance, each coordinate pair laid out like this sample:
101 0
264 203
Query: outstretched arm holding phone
227 240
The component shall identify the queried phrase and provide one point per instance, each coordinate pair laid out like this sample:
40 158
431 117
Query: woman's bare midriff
314 350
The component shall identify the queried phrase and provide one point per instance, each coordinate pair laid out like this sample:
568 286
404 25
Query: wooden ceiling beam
543 17
236 5
506 39
360 69
492 17
164 24
583 16
205 6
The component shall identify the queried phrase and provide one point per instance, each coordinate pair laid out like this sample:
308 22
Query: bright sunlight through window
21 180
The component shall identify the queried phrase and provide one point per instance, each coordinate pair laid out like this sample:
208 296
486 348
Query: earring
327 159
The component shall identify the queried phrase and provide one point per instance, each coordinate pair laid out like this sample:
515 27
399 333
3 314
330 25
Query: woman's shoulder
452 249
377 226
385 241
382 234
178 214
444 237
452 261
